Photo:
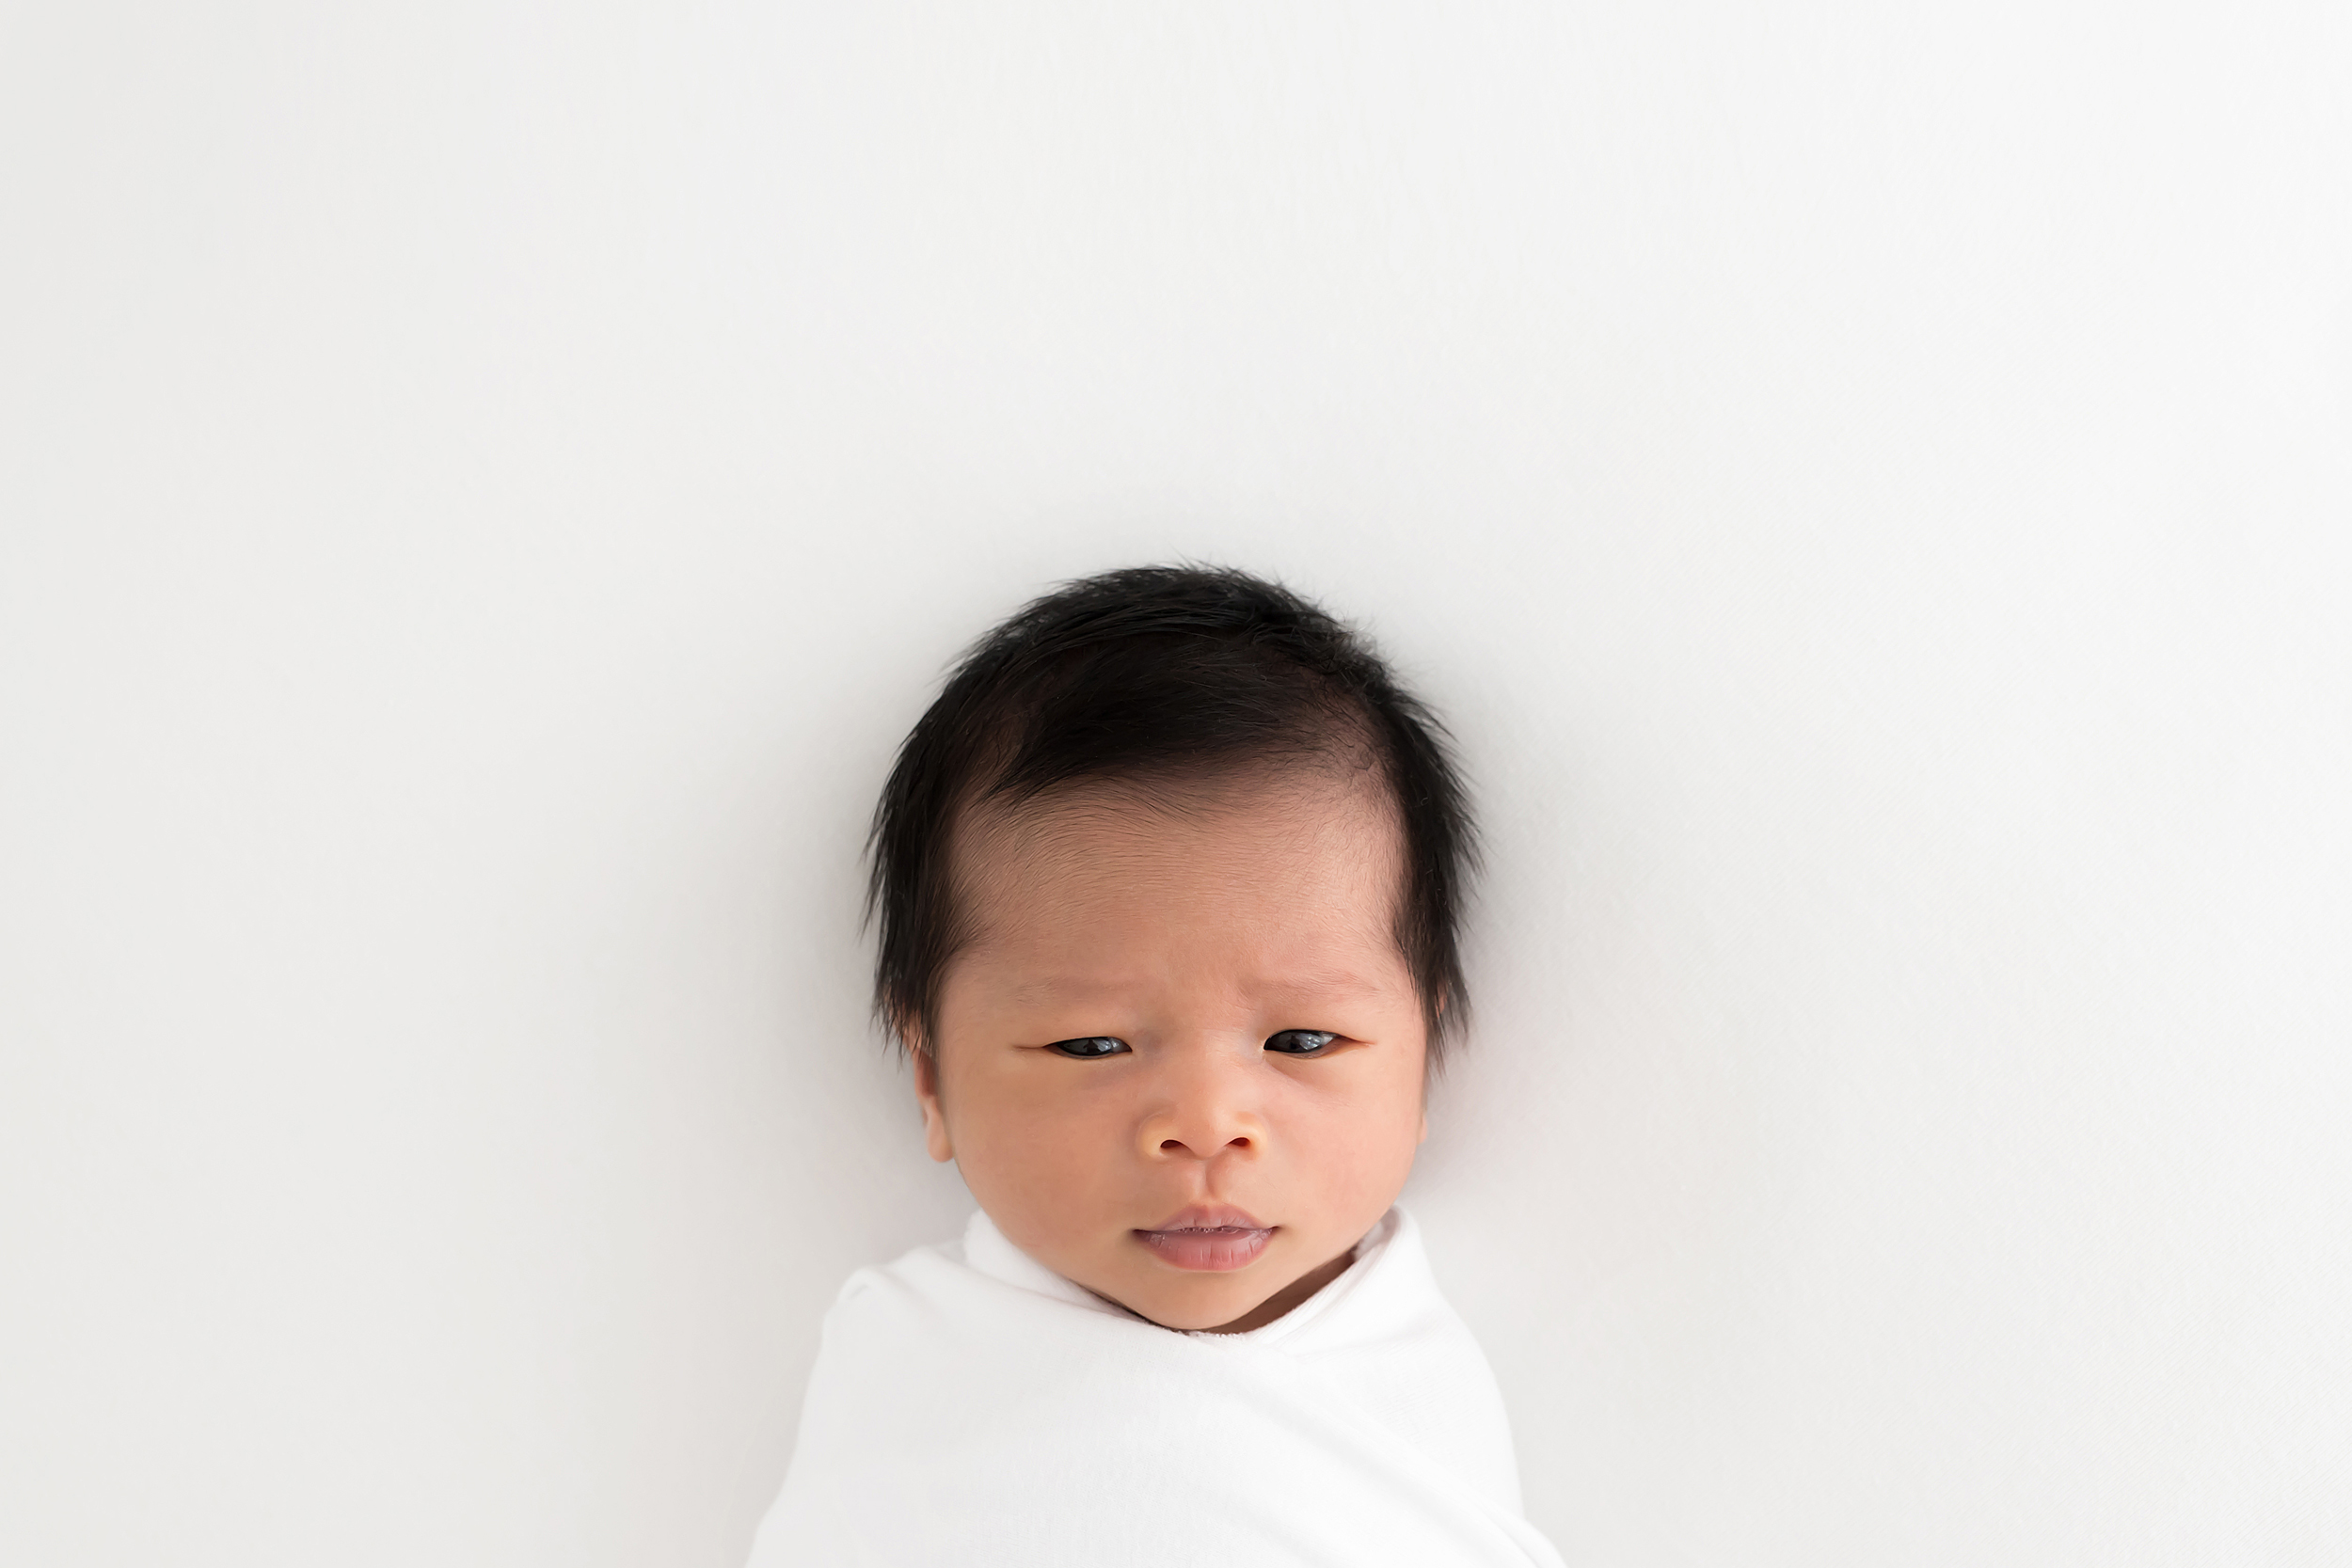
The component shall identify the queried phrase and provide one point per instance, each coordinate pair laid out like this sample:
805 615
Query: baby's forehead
1321 848
1288 816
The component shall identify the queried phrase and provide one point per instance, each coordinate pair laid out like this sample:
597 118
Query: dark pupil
1299 1041
1092 1046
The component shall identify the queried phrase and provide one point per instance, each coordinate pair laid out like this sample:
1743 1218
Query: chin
1197 1308
1191 1317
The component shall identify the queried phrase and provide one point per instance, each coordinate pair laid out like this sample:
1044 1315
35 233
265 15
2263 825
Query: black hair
1154 675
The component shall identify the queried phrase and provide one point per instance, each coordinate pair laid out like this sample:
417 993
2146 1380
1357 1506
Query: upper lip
1210 1216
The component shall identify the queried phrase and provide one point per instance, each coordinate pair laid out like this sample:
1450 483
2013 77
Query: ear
926 1096
1444 995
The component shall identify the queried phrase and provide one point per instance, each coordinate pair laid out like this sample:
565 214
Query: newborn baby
1169 880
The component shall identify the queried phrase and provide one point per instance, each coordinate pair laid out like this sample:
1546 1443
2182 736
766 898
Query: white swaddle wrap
970 1406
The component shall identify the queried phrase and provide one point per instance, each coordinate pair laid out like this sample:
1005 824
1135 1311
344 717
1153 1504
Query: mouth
1212 1239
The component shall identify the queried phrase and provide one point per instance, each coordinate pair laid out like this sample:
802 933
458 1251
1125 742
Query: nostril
1178 1146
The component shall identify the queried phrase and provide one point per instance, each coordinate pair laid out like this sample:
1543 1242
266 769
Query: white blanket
971 1407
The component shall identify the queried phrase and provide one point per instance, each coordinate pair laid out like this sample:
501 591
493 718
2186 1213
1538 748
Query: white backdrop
486 486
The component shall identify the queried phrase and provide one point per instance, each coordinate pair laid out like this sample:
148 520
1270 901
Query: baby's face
1180 1062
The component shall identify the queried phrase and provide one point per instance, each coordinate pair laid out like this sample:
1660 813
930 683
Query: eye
1092 1048
1300 1042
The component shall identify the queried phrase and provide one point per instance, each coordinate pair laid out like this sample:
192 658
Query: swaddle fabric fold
969 1406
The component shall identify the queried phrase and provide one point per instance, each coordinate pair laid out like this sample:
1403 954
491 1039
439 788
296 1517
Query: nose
1204 1107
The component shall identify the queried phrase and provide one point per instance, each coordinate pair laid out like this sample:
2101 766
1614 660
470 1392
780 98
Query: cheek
1376 1129
1368 1138
1355 1130
1033 1136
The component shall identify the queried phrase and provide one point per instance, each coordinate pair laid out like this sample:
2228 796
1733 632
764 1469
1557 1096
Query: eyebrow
1310 986
1323 983
1060 990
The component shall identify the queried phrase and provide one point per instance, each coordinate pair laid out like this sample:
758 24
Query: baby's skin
1178 1053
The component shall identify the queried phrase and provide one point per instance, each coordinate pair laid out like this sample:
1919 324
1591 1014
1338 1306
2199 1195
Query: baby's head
1169 880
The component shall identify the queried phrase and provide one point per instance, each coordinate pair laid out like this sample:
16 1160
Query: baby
1169 880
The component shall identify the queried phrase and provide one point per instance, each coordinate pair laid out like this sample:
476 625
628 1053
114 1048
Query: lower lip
1218 1251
